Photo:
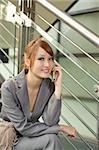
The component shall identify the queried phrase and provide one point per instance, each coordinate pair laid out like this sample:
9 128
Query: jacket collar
22 93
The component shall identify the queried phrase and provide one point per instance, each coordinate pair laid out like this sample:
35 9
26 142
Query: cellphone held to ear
54 72
54 75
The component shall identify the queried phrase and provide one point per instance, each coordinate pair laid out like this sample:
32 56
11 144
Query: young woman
33 94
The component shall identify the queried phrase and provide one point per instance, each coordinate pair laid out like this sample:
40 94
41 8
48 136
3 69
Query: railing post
98 124
81 29
28 8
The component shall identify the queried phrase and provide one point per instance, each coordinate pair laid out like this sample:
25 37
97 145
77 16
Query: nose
46 63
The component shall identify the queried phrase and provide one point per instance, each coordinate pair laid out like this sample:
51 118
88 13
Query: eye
51 58
41 58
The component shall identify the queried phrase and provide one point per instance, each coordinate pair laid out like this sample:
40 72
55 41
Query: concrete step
78 144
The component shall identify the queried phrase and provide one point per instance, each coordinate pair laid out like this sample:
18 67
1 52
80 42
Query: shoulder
7 84
10 83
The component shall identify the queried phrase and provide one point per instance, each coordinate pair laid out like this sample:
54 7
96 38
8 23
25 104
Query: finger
72 136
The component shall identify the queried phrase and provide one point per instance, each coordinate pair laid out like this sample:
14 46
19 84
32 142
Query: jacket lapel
22 93
43 96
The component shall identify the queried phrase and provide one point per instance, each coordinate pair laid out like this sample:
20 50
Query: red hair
32 48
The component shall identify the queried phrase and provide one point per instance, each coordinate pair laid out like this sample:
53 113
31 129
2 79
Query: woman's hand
57 75
71 131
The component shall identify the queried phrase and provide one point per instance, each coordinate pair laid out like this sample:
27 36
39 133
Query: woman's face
43 64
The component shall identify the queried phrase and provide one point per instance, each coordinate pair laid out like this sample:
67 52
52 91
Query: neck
32 80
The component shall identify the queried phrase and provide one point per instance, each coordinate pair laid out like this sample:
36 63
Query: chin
46 76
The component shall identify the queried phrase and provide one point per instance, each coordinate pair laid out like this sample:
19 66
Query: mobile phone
53 76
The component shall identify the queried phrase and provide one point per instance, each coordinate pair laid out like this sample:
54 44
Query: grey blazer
15 107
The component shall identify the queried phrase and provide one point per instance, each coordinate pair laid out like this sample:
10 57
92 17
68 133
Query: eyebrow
42 55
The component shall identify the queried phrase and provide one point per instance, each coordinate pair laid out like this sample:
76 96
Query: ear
26 61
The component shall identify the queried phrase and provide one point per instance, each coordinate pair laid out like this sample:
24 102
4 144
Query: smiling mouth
46 70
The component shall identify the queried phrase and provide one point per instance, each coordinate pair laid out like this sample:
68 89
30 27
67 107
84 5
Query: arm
16 116
52 112
53 109
69 130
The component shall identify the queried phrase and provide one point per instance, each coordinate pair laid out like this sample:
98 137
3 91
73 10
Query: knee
52 137
54 142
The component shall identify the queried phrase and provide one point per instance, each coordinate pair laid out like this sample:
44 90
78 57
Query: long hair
31 50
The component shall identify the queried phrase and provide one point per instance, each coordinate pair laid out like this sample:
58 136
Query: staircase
76 49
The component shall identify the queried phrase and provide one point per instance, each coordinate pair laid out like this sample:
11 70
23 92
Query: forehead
41 52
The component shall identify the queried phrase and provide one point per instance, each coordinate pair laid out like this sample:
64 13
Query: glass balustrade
79 61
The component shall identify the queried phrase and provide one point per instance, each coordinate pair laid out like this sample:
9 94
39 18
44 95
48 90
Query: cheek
37 66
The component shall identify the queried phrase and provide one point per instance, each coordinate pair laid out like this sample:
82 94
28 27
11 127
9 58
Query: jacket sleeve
52 111
16 116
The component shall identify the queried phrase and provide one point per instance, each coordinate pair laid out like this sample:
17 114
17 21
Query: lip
45 70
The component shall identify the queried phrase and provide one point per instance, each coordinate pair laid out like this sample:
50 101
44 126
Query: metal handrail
5 41
69 55
84 123
67 38
77 60
66 10
8 31
49 38
80 84
78 100
87 144
93 38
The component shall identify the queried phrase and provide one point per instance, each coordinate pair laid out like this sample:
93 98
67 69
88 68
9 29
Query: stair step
78 143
